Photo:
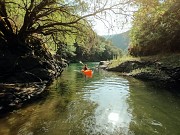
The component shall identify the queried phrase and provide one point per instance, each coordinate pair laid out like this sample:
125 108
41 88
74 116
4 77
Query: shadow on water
106 104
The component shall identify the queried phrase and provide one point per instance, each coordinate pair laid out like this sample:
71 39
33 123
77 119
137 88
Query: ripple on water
96 106
156 123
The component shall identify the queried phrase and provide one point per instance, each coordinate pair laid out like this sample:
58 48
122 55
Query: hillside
119 40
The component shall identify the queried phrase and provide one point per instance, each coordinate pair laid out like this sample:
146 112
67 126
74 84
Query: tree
24 20
102 50
155 27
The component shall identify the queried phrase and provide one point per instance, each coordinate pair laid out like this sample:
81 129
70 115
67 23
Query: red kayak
87 72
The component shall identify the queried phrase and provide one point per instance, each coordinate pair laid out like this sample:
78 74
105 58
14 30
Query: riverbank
25 86
16 95
24 76
164 70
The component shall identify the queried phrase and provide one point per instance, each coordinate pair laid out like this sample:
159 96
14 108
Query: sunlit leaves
155 27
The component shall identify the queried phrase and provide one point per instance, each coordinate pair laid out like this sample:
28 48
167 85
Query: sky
113 23
101 29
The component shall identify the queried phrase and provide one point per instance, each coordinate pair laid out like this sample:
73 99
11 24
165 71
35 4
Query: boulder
103 64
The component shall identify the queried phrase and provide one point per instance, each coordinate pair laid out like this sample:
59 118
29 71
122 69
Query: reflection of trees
82 116
152 110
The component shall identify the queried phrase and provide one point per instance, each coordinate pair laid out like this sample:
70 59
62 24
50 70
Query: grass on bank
172 60
124 58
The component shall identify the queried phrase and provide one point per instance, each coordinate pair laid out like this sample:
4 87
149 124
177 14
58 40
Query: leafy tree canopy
52 20
155 27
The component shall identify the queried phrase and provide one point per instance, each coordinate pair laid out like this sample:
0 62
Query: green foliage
53 22
50 20
155 28
101 50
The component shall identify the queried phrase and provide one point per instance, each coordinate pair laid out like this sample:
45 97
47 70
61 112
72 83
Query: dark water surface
106 104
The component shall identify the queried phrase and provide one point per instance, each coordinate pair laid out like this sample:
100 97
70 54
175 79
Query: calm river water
106 104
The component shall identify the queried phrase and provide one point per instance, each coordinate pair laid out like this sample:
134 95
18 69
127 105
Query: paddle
81 62
84 64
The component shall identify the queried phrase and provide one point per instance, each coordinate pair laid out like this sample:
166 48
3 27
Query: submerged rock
103 64
13 96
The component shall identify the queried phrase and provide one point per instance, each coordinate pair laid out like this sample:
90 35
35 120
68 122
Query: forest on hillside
119 40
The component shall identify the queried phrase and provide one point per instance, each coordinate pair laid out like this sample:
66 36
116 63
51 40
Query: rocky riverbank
14 96
164 70
26 82
25 75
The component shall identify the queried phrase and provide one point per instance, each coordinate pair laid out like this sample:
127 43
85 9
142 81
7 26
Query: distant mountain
119 40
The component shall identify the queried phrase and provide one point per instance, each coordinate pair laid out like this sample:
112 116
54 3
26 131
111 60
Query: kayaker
85 67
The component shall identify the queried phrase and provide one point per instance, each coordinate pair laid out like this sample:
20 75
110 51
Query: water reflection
113 118
105 104
111 115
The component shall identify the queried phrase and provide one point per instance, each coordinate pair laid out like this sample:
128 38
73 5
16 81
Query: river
106 104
